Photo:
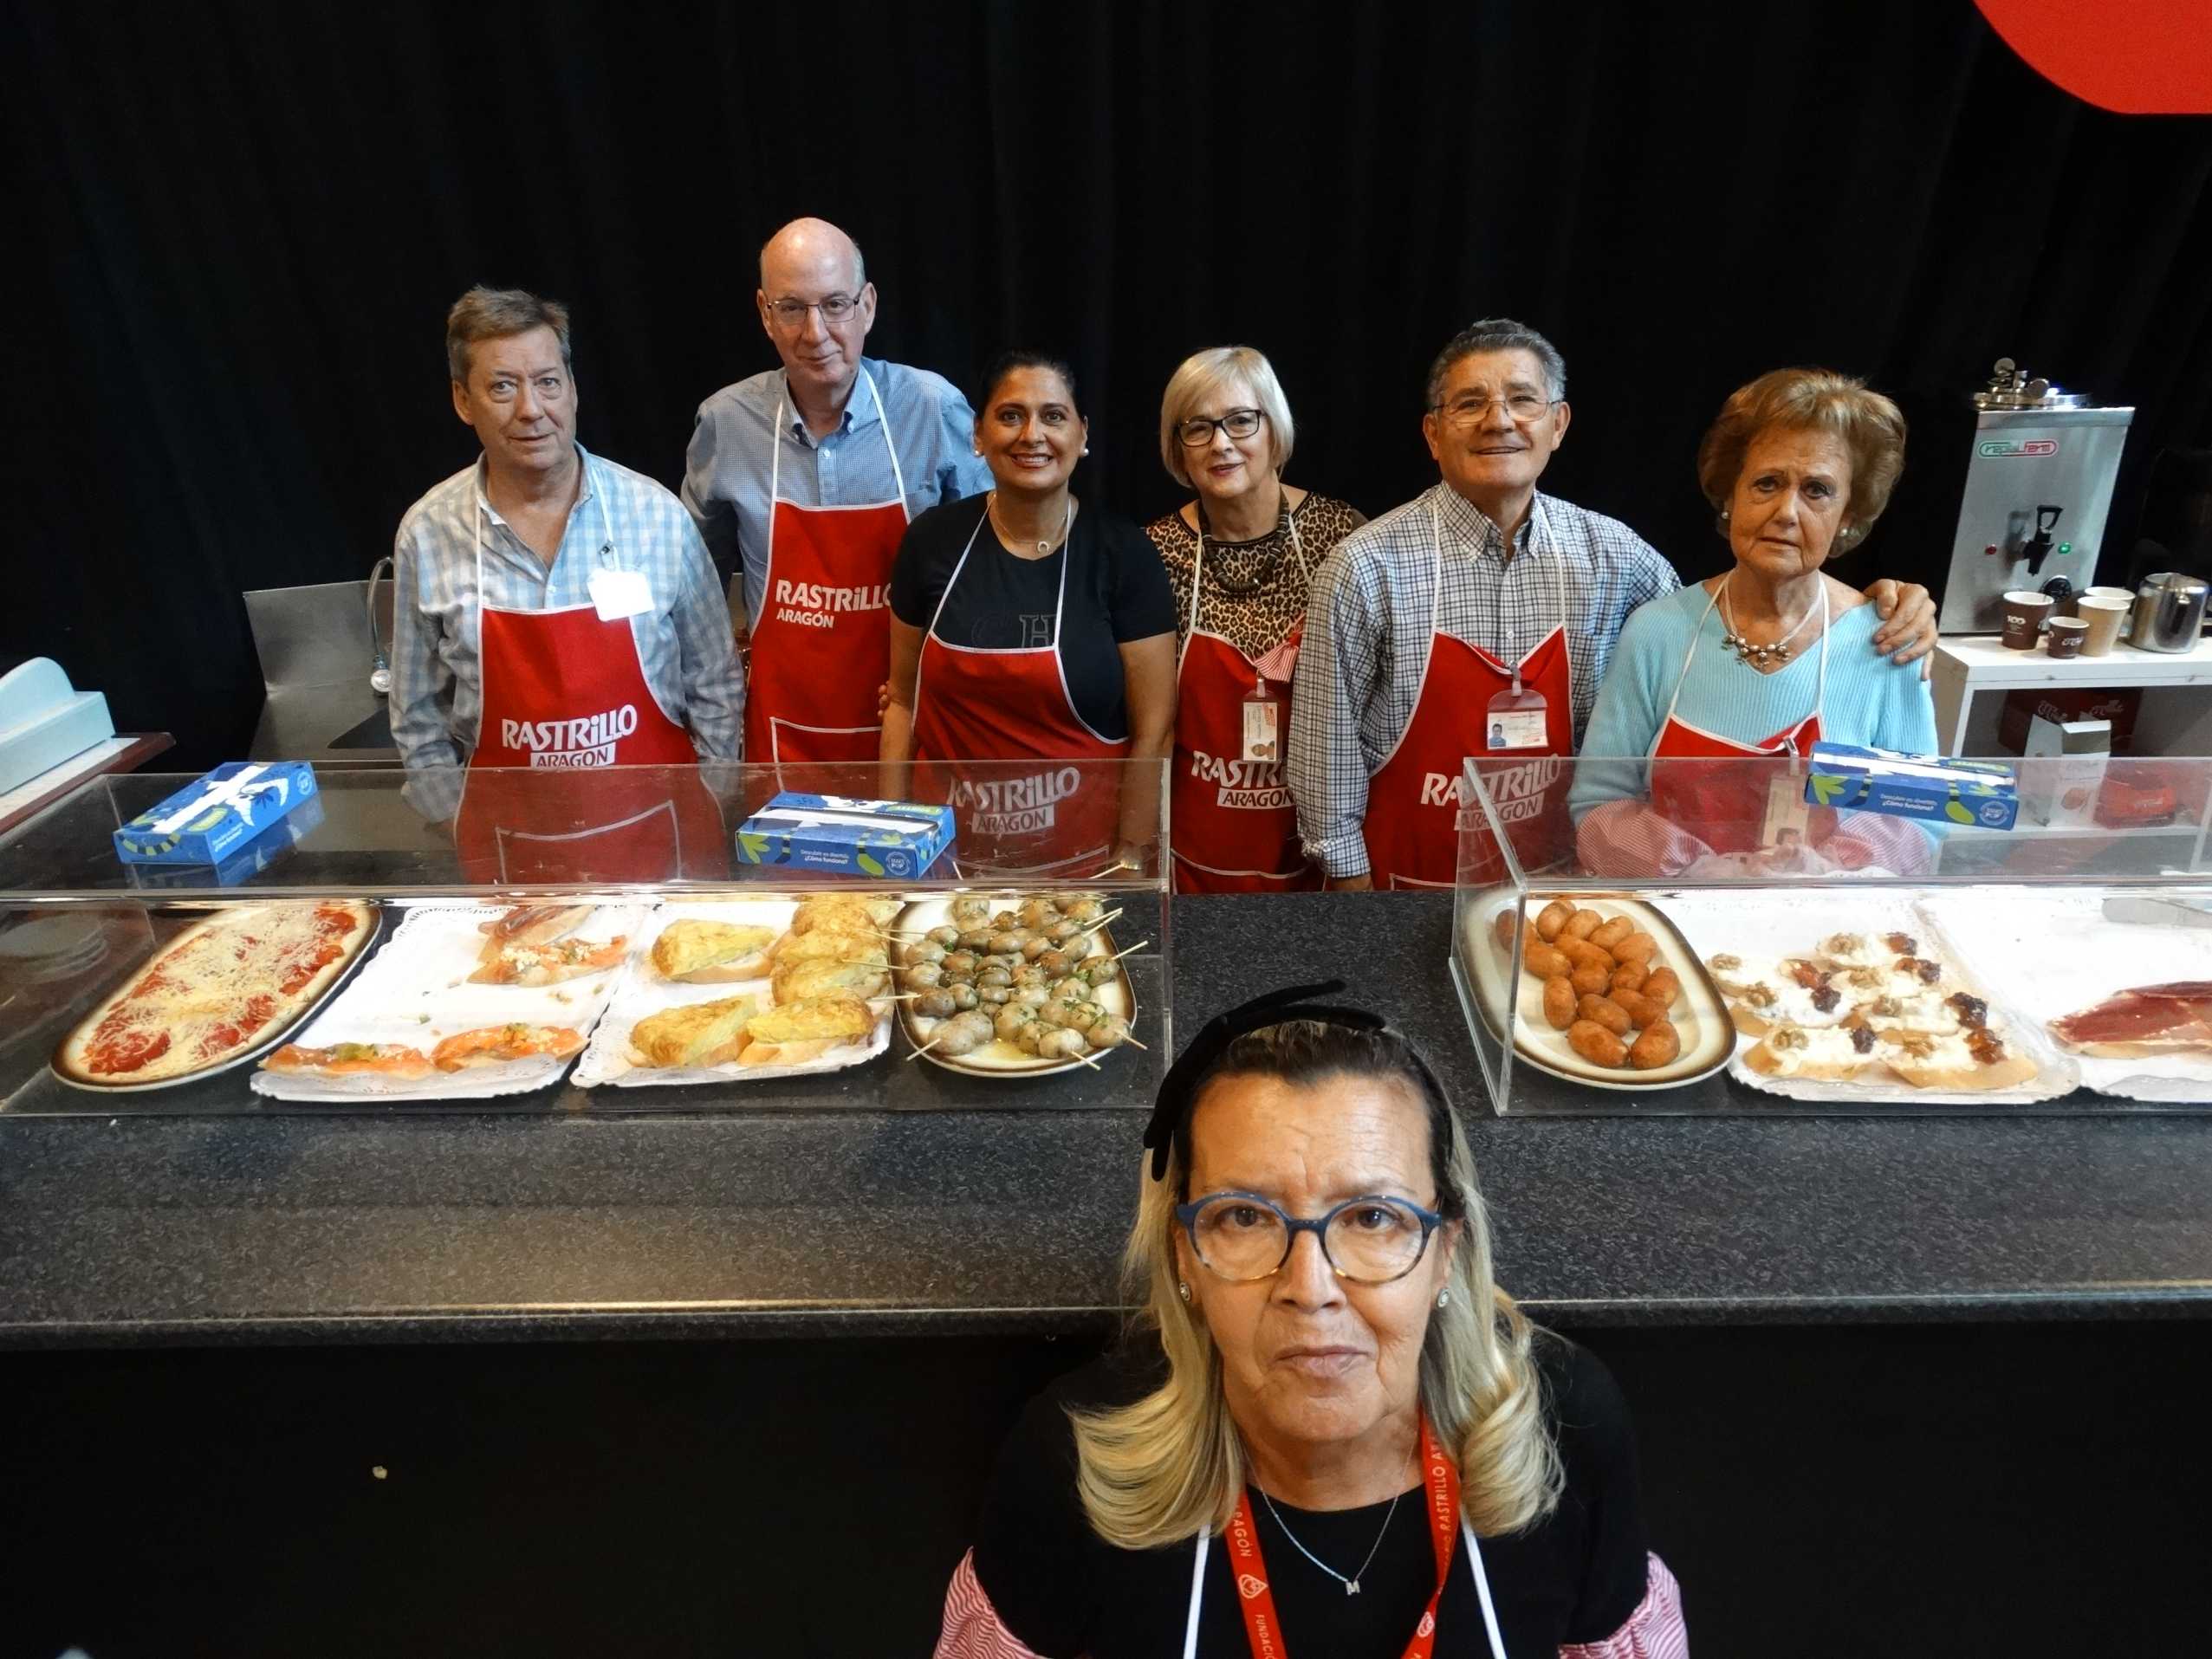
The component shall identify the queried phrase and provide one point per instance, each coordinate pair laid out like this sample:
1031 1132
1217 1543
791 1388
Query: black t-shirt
1118 590
1575 1576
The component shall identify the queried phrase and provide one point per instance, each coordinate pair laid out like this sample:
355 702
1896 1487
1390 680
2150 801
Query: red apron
1059 817
564 690
822 644
1414 798
1724 805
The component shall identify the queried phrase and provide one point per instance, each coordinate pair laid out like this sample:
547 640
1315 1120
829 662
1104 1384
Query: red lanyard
1258 1599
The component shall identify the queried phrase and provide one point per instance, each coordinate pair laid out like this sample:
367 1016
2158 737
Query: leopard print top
1254 622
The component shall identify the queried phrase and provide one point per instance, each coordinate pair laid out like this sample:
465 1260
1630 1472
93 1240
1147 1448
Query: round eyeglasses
790 315
1469 412
1241 1236
1198 430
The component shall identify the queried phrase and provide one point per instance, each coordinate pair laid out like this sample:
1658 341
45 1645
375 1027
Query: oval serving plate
1000 1059
1708 1037
253 1051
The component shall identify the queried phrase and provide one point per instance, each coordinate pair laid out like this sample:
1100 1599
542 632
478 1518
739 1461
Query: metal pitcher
2170 612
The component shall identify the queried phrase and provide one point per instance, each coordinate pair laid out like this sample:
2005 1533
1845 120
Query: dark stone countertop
846 1210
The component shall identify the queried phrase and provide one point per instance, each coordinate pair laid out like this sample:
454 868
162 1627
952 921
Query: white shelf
2079 831
1984 660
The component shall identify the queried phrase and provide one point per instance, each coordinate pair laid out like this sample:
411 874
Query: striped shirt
1367 633
683 640
727 470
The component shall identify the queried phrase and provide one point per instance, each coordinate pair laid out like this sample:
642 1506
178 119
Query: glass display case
610 939
1733 935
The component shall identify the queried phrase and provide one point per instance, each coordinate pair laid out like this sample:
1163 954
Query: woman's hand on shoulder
1908 629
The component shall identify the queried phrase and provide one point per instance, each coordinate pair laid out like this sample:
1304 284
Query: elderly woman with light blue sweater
1761 661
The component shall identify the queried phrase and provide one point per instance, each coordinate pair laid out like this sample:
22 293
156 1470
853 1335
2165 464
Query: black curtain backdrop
238 227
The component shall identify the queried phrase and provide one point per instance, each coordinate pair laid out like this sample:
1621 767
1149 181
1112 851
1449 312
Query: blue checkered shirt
1366 645
683 640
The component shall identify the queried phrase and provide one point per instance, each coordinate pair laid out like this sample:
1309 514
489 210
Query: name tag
619 593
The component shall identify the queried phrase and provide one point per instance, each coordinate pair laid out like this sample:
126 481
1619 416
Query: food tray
2048 954
418 993
642 991
999 1059
1748 924
378 920
1701 1016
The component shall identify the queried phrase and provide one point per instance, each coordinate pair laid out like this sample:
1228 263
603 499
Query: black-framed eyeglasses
790 315
1241 1236
1469 412
1198 432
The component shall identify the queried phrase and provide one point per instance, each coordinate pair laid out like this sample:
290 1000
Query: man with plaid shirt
1433 626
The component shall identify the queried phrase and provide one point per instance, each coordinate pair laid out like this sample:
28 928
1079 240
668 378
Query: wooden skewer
1134 1043
926 1046
1119 955
1093 927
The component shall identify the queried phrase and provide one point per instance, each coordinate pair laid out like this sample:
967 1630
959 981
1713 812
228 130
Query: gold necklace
998 525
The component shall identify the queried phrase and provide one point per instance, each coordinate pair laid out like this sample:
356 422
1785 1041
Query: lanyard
1820 683
1263 1629
1559 593
775 458
605 526
1198 577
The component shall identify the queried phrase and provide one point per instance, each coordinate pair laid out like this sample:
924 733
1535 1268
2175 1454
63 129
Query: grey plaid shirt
1367 644
685 644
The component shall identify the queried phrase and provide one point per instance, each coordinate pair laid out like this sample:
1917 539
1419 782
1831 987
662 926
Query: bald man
804 478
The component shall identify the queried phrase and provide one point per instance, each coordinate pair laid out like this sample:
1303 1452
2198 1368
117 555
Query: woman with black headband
1331 1436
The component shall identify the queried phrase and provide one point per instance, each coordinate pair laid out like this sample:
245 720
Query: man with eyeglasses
803 478
1476 622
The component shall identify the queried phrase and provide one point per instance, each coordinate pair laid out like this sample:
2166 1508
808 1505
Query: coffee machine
2039 484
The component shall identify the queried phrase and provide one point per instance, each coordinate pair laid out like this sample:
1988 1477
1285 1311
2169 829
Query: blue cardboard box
1927 787
218 815
271 846
862 837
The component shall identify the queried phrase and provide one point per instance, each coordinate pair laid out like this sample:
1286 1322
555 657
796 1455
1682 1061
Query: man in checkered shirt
1511 564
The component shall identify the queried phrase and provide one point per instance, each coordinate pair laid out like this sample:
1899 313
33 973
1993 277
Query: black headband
1180 1086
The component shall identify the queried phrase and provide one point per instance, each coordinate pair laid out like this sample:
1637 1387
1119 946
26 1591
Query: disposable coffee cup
2067 634
2106 612
2127 598
2025 614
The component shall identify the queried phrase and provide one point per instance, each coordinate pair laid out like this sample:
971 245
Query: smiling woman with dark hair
1034 629
1321 1340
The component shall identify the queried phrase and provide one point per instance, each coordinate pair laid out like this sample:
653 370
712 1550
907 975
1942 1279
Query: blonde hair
1798 400
1203 374
1171 1465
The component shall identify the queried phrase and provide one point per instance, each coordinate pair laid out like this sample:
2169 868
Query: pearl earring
1086 449
1444 1299
1184 1289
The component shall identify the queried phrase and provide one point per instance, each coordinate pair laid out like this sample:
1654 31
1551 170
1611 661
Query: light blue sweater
1870 699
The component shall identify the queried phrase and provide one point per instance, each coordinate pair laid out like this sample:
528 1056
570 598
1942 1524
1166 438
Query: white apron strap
883 419
1482 1590
1667 719
1197 1593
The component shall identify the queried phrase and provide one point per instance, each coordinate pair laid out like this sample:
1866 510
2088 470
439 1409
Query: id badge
1263 729
1516 721
619 593
1788 821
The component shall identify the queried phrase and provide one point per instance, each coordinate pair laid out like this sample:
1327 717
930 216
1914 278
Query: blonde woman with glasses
1240 555
1330 1434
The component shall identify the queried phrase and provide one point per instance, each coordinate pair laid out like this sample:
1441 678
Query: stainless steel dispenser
2039 485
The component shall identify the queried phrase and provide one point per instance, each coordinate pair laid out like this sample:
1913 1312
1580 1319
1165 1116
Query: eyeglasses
1470 411
790 315
1241 1236
1198 432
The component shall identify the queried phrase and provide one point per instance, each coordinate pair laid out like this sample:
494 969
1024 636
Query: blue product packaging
1982 793
271 846
832 833
219 814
